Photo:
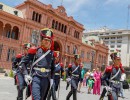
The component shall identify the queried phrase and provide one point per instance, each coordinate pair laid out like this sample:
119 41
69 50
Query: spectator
97 82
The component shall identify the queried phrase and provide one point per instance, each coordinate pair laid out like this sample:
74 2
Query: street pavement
8 91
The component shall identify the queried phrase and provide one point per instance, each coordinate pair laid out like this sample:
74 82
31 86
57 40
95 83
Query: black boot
19 98
103 94
69 95
74 94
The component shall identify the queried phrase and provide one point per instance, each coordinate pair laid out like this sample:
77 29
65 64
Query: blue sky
93 14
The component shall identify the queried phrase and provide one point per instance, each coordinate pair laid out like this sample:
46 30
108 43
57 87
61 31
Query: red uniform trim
19 56
32 50
70 65
61 64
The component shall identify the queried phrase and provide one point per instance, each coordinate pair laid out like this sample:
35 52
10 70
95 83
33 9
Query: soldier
68 72
111 78
58 74
43 66
18 74
74 75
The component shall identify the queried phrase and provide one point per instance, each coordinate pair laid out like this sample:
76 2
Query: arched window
75 50
36 19
33 16
59 27
8 30
53 24
39 20
65 29
56 25
15 33
62 28
35 37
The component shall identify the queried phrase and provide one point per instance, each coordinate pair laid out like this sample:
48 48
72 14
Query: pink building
23 23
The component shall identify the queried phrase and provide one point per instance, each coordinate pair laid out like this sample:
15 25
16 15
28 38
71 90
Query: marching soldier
18 74
111 78
43 66
74 75
58 74
68 72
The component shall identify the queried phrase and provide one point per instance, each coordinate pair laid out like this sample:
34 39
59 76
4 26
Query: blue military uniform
114 83
19 76
74 73
41 80
112 78
43 70
58 73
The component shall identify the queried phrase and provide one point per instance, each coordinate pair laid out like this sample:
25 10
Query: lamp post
92 52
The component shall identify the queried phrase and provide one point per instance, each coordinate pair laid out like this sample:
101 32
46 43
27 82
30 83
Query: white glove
14 72
68 79
51 82
123 77
108 88
28 79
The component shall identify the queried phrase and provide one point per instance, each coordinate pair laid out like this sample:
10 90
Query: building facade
116 40
23 23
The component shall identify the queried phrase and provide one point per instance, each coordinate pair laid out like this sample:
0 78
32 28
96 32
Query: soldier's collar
44 49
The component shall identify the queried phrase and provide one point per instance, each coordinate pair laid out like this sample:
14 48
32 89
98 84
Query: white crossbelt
75 75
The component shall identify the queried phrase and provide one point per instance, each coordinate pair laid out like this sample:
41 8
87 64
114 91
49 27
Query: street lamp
92 52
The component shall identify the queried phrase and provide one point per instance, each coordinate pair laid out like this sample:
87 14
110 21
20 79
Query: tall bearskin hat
115 55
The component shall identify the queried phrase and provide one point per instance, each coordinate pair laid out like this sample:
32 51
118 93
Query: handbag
125 84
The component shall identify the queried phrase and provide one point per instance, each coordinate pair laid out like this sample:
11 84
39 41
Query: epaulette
32 50
70 65
108 69
19 56
61 64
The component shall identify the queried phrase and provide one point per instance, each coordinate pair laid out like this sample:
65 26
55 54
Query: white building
115 39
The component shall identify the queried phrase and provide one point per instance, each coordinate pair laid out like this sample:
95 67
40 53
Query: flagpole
61 2
128 17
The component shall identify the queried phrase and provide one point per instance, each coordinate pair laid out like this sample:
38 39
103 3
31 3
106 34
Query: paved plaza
8 91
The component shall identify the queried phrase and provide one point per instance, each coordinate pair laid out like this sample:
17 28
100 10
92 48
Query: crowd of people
39 69
91 79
